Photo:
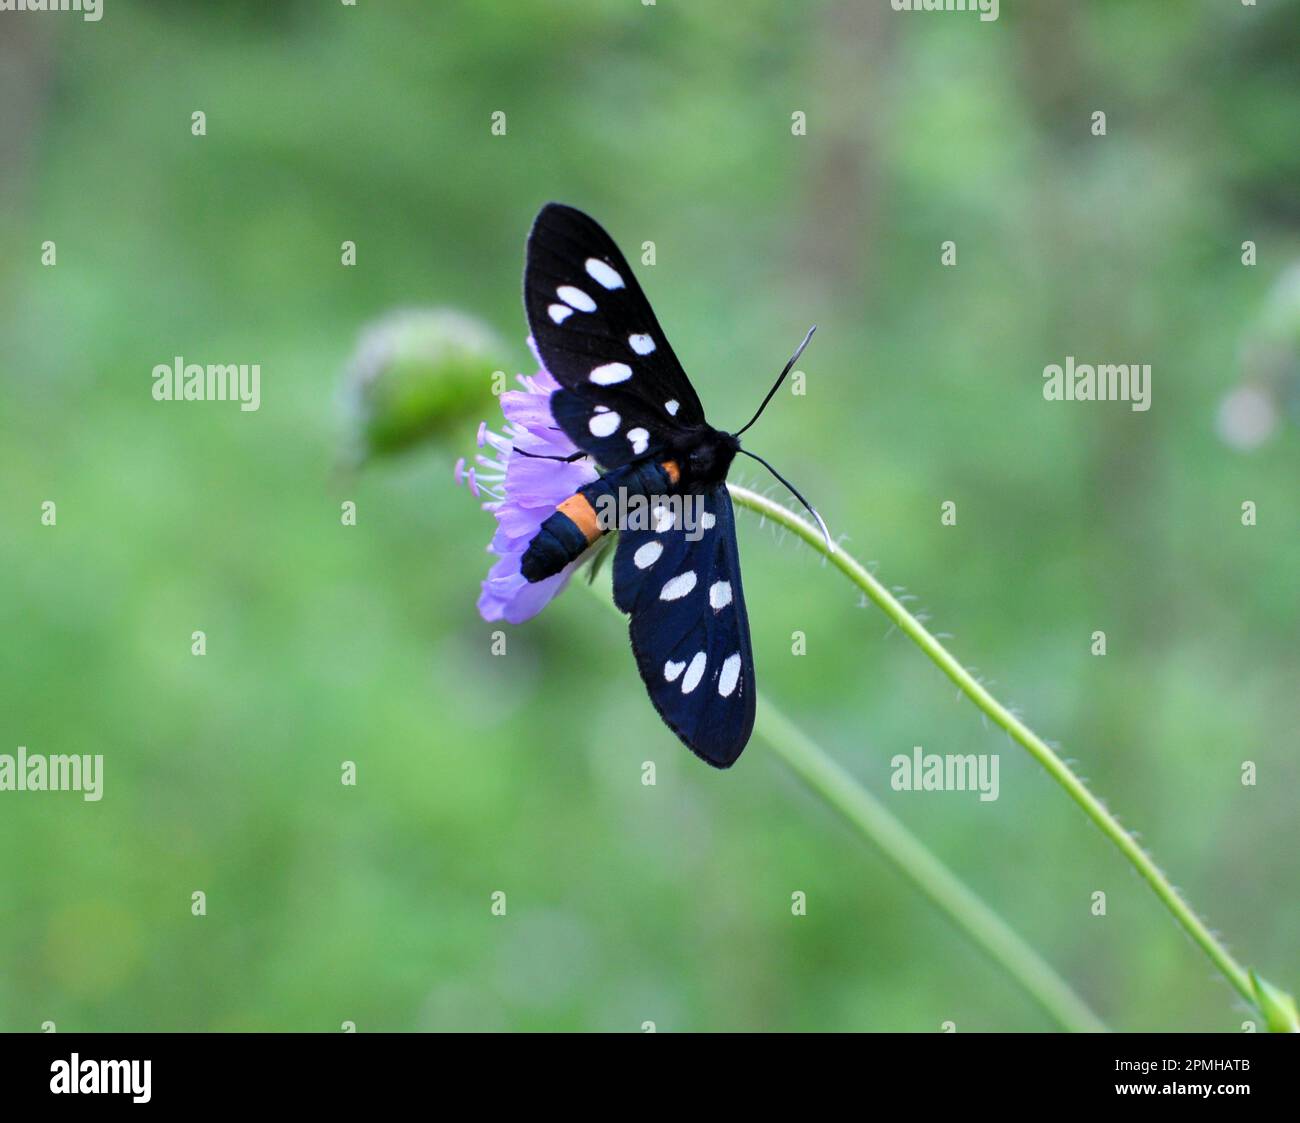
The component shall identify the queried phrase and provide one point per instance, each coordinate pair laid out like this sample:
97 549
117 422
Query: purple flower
522 492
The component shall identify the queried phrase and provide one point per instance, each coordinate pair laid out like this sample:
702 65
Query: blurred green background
326 643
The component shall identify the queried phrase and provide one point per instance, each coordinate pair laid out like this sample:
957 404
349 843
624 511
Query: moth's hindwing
689 630
624 392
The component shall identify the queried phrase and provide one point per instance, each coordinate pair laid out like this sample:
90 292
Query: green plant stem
1233 971
909 855
820 772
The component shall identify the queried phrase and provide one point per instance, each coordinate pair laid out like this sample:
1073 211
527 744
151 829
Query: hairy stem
812 765
1233 971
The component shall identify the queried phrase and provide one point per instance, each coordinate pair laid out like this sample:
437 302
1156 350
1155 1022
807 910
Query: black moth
626 402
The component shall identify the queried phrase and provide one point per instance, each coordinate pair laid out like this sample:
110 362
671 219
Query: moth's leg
541 456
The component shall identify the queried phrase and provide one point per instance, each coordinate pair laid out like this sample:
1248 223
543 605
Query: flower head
522 492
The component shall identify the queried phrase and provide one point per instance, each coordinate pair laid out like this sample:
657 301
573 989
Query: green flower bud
417 374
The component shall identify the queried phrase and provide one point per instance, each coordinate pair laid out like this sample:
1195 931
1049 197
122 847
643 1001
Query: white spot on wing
677 587
664 519
708 519
672 670
641 344
605 274
719 595
640 439
604 422
730 675
694 672
576 297
611 373
672 405
647 554
559 312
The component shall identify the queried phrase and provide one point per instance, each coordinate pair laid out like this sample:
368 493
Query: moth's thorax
704 456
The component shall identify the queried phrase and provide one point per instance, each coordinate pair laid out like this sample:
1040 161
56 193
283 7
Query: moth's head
710 456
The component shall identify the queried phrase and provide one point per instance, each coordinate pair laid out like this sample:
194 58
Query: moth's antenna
781 378
830 547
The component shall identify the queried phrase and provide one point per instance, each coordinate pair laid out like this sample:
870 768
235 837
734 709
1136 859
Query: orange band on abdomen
583 515
674 473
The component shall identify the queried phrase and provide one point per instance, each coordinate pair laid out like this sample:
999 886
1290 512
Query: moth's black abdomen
575 525
558 542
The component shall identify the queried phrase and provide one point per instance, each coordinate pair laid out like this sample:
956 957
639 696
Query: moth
625 402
